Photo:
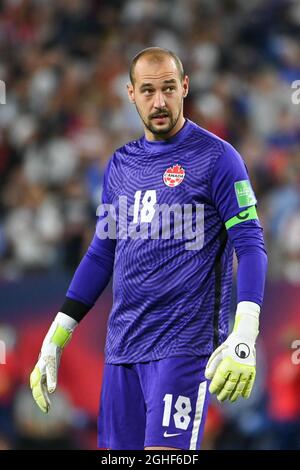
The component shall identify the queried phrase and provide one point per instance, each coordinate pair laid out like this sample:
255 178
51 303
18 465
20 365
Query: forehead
155 69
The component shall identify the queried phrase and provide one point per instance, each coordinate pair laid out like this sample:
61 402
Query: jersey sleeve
235 202
232 192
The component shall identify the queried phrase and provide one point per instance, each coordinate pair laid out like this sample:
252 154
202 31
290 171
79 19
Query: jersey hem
125 360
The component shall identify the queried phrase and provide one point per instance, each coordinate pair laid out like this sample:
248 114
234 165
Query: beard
156 129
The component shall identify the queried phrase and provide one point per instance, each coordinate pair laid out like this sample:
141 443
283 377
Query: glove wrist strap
247 320
60 330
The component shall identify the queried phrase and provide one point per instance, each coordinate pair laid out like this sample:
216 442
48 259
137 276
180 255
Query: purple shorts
158 403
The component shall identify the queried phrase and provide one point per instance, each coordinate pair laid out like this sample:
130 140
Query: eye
147 91
169 89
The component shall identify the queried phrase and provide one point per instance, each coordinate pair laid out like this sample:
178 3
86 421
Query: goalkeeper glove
231 367
43 379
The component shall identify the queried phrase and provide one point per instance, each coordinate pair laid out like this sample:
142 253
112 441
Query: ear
185 86
130 91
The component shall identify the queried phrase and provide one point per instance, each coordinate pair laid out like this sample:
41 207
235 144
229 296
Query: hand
232 366
43 379
232 369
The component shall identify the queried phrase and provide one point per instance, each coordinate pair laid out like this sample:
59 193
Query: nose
159 100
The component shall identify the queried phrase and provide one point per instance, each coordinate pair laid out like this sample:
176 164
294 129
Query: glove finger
229 387
35 377
219 379
39 390
240 385
249 385
45 394
213 362
51 373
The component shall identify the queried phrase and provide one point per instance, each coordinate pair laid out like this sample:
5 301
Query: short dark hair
158 54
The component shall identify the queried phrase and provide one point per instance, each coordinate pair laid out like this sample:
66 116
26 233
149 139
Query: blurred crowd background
65 65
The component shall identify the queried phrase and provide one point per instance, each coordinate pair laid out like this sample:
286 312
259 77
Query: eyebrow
166 82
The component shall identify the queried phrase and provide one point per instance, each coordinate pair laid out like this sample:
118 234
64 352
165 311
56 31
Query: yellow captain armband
247 214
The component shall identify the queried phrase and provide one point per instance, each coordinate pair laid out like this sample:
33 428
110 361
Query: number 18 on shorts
159 403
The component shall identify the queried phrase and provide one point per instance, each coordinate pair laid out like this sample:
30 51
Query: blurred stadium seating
65 65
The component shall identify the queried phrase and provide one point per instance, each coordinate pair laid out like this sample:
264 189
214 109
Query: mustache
162 112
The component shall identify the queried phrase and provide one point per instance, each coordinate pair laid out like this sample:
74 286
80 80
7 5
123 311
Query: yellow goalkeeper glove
43 379
231 367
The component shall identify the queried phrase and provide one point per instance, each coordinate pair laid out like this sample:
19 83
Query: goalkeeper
167 340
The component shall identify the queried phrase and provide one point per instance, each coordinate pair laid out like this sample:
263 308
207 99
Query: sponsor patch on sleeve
244 193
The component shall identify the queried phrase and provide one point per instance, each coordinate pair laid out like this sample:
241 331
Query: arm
231 367
89 281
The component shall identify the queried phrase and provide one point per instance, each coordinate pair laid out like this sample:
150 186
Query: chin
165 129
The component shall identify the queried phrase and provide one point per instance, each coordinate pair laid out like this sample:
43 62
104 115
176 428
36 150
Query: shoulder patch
244 193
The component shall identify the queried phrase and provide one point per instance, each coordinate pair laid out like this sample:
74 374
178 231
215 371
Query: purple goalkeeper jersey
172 284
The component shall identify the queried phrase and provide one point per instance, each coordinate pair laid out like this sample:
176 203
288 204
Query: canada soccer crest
174 175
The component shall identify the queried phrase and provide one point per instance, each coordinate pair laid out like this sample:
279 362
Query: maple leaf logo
174 175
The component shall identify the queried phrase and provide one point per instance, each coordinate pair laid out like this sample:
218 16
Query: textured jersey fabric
171 295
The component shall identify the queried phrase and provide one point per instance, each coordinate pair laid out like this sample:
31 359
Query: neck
179 124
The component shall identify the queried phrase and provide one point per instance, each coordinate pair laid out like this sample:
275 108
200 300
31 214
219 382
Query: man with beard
168 329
